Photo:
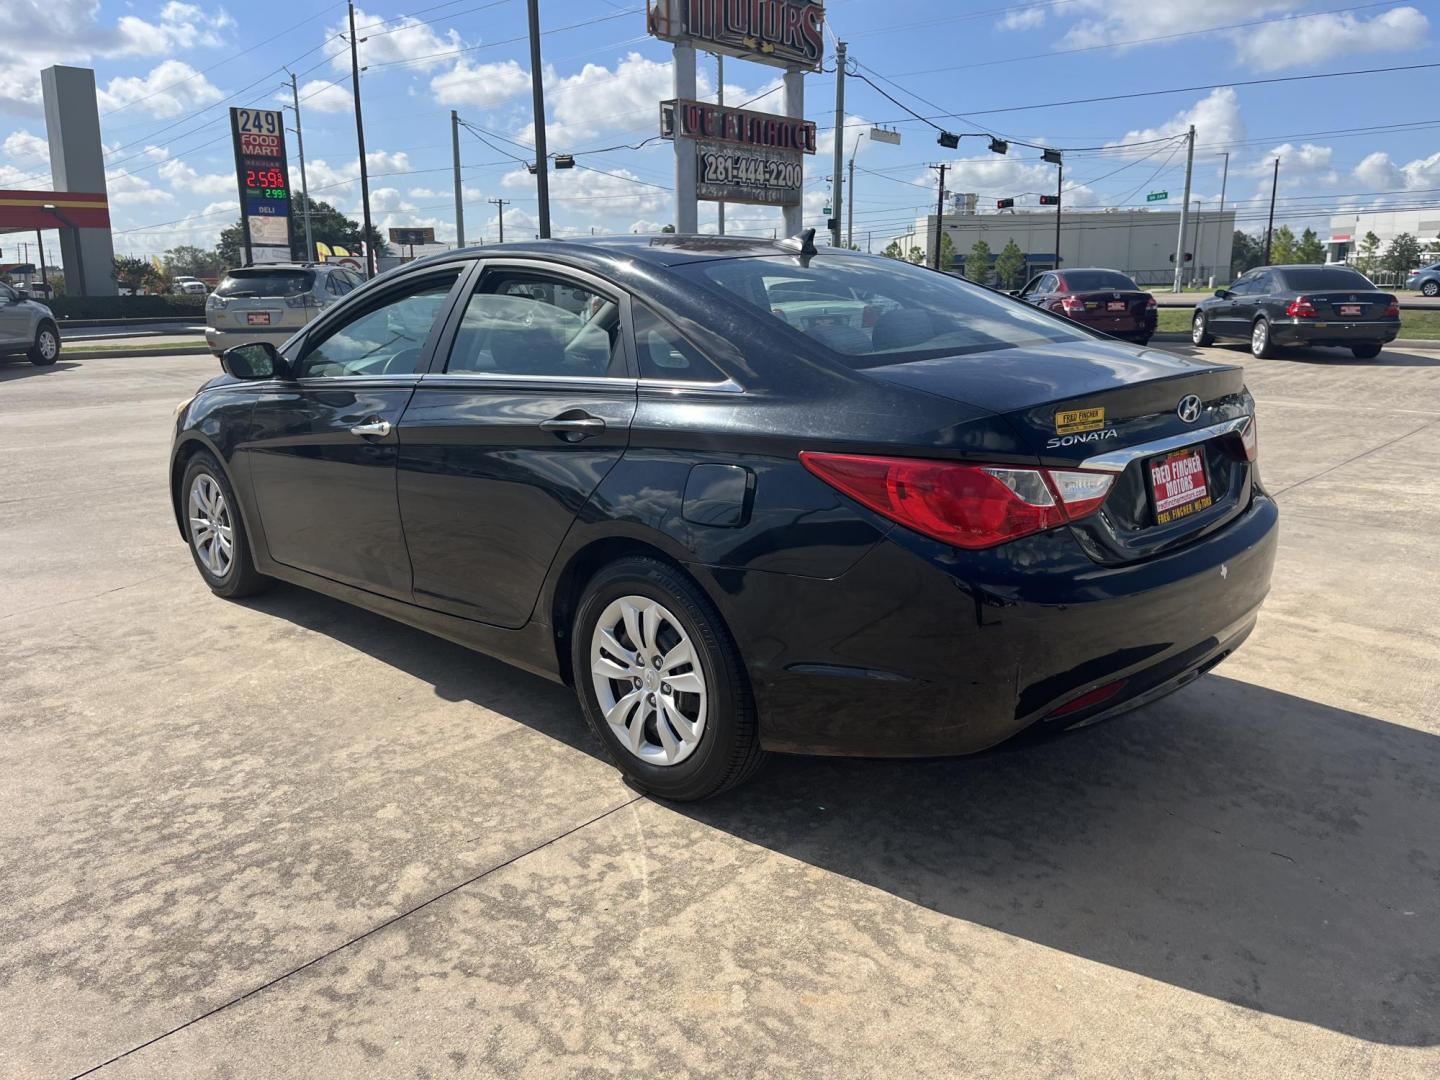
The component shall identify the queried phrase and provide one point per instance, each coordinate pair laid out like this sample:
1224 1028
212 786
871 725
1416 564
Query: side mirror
1223 294
254 360
1014 292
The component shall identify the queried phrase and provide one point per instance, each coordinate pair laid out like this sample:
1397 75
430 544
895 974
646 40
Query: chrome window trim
1116 461
671 386
473 379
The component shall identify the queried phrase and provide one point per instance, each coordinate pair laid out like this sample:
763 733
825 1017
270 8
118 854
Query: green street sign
1157 196
827 211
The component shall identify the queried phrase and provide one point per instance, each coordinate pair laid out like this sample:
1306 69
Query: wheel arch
190 444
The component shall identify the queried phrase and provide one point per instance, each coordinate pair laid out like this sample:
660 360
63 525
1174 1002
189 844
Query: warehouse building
1348 230
1139 242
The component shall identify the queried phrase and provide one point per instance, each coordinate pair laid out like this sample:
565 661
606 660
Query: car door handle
373 426
574 427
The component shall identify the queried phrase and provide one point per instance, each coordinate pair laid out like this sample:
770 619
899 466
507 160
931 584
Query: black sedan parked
1273 306
611 463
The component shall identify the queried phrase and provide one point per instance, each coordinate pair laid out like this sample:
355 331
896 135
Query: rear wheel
661 682
1199 334
216 534
1261 346
1431 288
1365 352
46 349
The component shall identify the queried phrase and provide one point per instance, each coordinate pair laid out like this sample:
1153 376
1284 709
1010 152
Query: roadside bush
127 307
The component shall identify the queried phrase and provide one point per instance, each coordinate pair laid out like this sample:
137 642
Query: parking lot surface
287 838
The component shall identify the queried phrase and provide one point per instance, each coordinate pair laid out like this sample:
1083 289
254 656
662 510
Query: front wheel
1261 347
216 532
1365 352
661 682
46 349
1199 333
1430 288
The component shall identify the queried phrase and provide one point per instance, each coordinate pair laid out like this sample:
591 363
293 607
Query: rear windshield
266 283
875 312
1087 280
1325 277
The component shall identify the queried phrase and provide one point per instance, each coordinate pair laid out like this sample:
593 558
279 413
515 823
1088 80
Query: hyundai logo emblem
1189 408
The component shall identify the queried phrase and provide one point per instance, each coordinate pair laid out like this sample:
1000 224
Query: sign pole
719 100
687 209
794 216
1270 224
837 170
1059 188
360 140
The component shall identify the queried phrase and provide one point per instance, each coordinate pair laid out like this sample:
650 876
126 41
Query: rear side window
666 355
1088 280
261 282
1326 277
893 313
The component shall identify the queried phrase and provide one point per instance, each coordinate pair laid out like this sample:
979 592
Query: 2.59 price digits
271 181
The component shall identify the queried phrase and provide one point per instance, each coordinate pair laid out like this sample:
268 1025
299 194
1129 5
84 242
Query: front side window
386 338
895 312
528 323
7 293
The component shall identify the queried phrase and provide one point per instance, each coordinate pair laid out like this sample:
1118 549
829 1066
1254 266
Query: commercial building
1139 242
1348 230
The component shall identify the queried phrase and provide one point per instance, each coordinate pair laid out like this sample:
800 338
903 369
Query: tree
892 250
667 228
1245 253
1310 249
1010 266
189 261
137 274
328 226
1282 247
1402 255
977 263
1367 254
916 255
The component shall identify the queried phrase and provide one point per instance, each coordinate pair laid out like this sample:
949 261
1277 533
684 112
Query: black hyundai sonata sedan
744 496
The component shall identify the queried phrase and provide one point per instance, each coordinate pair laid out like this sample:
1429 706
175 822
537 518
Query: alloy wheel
1259 337
212 531
49 345
1197 328
648 680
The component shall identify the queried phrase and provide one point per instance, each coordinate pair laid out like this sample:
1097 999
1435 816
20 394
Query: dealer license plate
1178 486
257 318
1351 309
1115 305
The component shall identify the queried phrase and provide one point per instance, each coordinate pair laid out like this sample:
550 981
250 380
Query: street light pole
837 169
1184 210
542 162
459 188
304 185
370 254
1270 225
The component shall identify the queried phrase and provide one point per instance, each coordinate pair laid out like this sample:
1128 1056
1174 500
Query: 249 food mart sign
742 156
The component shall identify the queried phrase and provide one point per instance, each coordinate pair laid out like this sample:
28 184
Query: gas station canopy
24 211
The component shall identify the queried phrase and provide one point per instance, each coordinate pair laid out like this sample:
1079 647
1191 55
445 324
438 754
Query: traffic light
832 224
564 161
999 146
1052 156
1004 204
1049 200
950 142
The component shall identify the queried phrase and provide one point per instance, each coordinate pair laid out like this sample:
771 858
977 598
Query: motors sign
699 120
782 33
262 176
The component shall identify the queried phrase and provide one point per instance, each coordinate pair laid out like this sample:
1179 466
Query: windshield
1088 280
892 312
1326 277
266 283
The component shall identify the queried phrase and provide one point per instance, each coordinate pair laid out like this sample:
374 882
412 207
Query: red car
1104 300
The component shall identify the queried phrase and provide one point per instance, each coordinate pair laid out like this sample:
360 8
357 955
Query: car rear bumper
1125 326
1329 331
220 340
922 650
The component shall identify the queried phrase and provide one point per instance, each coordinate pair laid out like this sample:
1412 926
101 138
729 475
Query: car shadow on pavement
1238 842
13 368
1388 357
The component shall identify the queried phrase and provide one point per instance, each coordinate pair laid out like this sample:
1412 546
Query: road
286 838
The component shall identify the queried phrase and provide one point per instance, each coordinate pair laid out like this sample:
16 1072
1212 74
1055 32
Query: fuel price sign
263 181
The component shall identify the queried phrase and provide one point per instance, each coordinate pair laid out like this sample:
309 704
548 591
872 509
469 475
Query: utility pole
1184 209
838 197
1220 248
720 100
850 207
939 217
542 159
459 190
370 254
1270 225
1059 188
304 185
501 204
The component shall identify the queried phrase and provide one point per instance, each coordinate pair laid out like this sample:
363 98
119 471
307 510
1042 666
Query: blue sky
168 72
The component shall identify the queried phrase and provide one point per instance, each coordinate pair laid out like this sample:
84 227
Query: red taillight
1300 308
969 506
1250 440
1393 311
1072 304
1094 697
1150 304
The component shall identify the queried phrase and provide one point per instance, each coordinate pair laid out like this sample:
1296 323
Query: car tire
1200 335
1366 352
1142 341
206 496
46 349
1430 288
682 745
1261 347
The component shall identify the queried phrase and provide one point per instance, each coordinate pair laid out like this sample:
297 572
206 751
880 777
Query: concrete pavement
288 838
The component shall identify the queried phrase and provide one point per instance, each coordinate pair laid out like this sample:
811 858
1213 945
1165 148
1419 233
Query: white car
188 286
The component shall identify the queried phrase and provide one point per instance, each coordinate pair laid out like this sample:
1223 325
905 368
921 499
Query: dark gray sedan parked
1274 306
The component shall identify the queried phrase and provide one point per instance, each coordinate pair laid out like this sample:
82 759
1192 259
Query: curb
121 354
1403 343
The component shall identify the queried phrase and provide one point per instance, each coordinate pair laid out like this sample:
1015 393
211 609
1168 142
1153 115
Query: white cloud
480 86
129 189
320 95
27 149
993 177
331 183
387 200
1378 173
1216 117
1307 159
1022 18
402 38
181 26
588 195
170 89
1107 22
182 178
1314 38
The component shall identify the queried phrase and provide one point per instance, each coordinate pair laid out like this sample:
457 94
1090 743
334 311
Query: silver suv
27 326
271 302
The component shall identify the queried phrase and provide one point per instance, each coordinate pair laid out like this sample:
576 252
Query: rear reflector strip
1084 701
